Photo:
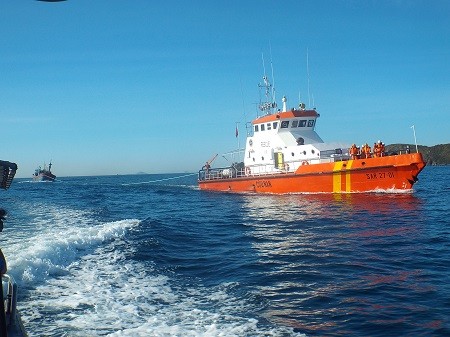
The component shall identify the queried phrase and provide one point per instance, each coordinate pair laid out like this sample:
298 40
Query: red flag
237 132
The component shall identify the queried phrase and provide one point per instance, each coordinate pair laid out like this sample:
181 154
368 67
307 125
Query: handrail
10 297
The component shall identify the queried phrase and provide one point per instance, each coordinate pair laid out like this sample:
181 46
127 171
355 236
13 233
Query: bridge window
311 123
284 124
302 123
262 127
256 128
269 126
275 125
294 123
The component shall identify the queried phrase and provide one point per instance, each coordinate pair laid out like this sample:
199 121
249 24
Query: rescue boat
284 154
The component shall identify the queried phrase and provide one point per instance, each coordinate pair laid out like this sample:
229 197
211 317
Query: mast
269 104
307 75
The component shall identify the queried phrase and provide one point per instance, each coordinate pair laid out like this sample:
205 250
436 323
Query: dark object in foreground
8 171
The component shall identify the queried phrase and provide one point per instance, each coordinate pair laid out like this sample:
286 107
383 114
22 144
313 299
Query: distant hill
433 155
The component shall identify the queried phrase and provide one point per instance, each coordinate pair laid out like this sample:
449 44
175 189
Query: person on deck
366 151
376 149
382 149
354 152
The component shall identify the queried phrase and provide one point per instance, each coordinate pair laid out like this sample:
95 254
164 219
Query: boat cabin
284 140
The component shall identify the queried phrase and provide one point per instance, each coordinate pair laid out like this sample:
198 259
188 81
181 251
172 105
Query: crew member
354 151
366 151
376 149
382 149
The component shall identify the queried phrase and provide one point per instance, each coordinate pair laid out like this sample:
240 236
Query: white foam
81 281
55 241
106 294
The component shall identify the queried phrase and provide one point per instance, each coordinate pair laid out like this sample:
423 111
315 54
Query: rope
159 180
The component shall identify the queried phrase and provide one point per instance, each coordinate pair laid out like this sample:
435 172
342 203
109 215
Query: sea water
152 255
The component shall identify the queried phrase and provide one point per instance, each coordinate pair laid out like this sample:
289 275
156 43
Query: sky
105 87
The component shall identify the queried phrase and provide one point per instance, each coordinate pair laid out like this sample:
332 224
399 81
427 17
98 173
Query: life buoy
247 171
305 162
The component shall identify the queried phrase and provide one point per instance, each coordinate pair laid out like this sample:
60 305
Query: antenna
237 136
243 102
264 65
273 77
307 75
269 104
415 140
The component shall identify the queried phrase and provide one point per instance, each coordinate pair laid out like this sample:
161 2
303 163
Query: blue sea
152 255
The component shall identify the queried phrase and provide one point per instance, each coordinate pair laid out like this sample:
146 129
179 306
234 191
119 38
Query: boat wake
62 237
78 277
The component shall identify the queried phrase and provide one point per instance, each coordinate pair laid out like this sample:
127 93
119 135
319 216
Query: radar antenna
269 104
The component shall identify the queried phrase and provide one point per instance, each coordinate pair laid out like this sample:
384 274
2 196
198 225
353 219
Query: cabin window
311 123
302 123
269 126
294 123
284 124
275 125
262 127
256 128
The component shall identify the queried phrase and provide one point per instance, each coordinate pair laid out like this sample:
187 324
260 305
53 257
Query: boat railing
9 289
288 166
233 172
219 173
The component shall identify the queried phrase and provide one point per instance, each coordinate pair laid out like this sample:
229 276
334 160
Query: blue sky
118 87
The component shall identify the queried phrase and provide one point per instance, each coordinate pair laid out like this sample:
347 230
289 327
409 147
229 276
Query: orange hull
398 172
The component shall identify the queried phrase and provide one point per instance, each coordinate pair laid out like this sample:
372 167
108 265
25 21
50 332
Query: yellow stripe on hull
348 180
337 177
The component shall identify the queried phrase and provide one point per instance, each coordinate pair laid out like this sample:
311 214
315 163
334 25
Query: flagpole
415 140
237 136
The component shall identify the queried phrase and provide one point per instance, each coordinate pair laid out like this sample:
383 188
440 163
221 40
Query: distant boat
44 174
